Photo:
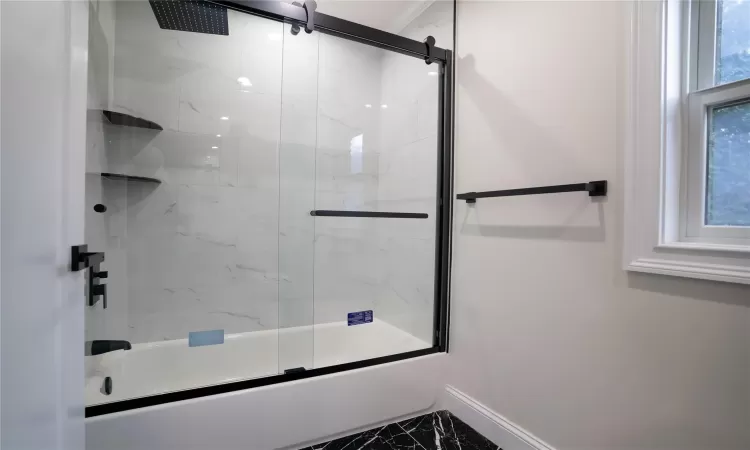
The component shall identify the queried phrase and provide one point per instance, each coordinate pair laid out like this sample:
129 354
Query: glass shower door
182 197
265 200
358 137
297 159
376 151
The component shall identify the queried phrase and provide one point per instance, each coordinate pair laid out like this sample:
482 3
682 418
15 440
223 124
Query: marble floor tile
442 430
435 431
388 437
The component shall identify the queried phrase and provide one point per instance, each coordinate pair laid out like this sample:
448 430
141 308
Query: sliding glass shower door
266 202
358 141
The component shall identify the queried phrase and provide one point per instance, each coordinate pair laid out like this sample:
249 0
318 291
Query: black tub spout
99 347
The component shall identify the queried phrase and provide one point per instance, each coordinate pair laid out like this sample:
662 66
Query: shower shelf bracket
123 177
126 120
594 188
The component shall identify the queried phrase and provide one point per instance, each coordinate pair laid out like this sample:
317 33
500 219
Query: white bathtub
159 367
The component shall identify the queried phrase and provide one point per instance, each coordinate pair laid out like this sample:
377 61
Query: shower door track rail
206 391
298 16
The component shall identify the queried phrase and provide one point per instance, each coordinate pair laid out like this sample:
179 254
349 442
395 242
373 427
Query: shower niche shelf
126 120
129 178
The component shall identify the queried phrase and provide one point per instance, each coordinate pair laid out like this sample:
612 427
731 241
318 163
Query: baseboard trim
492 425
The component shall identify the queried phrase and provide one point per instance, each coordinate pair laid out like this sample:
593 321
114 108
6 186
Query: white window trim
654 157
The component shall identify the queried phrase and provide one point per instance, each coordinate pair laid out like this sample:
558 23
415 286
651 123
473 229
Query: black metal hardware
295 370
107 386
295 28
391 215
234 386
105 346
195 16
81 259
309 6
126 120
297 15
594 188
98 290
100 208
444 207
429 43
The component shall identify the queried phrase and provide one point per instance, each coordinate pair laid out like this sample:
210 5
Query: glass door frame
298 16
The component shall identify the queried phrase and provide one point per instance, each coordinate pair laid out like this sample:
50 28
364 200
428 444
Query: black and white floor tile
435 431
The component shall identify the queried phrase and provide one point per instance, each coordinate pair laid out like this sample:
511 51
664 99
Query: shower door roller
309 6
81 259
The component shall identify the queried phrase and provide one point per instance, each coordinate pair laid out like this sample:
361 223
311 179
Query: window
687 146
716 201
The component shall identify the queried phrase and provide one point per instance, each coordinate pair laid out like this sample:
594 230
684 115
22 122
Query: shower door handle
381 214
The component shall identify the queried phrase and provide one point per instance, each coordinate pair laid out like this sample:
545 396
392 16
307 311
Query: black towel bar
390 215
594 188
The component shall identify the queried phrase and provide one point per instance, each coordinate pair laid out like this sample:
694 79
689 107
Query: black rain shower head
191 15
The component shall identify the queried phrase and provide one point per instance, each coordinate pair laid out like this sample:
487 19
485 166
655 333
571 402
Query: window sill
700 270
704 247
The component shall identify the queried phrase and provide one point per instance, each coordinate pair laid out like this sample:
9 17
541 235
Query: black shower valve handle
81 258
100 290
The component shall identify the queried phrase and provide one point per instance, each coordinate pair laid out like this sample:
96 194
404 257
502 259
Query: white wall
546 328
43 119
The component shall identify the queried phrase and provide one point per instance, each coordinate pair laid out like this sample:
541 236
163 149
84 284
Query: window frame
699 104
654 91
702 94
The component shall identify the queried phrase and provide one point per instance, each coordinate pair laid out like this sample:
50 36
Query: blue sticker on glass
359 317
201 338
